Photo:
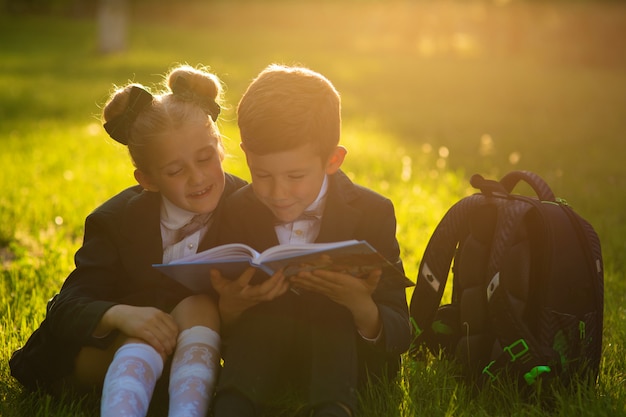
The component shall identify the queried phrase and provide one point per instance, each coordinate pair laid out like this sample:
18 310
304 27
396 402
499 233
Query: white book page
228 252
287 250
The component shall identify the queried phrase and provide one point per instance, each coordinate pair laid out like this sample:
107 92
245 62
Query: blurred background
433 90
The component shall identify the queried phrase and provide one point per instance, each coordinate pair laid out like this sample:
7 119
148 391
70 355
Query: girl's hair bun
122 110
197 86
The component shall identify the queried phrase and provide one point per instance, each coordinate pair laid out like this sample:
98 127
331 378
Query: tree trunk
112 25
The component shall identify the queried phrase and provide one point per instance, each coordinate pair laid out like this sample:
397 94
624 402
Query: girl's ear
335 160
145 181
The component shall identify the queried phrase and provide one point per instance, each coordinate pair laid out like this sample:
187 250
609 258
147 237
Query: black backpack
527 295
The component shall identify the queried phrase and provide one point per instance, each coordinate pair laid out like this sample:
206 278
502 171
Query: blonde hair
190 95
286 107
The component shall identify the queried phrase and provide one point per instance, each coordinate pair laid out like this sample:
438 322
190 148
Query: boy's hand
238 296
353 293
342 288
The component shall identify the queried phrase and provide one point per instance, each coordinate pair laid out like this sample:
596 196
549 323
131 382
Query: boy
340 330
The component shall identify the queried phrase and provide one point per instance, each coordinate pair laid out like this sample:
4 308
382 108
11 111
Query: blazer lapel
259 225
255 222
211 238
142 244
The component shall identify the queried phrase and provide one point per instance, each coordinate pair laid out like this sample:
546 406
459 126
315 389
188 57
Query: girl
116 321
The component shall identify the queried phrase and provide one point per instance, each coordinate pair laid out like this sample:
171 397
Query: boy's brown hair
287 107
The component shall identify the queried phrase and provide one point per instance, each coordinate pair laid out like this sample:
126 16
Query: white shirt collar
304 230
317 206
172 216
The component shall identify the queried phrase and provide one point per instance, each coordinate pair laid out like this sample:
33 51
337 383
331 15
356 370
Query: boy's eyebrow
293 171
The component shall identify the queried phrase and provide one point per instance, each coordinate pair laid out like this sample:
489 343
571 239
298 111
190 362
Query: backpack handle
487 187
510 180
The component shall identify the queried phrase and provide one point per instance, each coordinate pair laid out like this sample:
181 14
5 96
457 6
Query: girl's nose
196 175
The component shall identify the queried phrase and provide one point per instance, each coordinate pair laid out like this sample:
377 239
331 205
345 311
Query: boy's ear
335 160
145 181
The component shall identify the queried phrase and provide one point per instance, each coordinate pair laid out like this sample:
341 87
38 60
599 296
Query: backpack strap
435 265
519 348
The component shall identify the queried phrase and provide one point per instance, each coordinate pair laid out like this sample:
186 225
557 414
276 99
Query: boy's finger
244 279
273 287
373 278
217 280
216 274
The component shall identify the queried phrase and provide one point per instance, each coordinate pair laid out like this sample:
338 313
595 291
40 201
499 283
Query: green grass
432 92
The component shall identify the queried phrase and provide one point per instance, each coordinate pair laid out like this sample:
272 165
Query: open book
357 258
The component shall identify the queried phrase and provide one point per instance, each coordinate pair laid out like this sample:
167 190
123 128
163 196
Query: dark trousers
306 342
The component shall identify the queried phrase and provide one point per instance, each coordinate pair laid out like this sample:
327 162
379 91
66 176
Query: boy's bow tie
307 215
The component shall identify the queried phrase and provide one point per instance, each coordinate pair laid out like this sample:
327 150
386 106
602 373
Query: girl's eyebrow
168 164
209 148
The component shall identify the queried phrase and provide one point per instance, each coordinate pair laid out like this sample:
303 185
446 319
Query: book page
289 250
229 252
356 258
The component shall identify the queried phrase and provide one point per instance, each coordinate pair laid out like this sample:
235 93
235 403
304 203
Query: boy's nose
277 190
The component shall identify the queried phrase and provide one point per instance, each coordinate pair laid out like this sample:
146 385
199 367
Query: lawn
432 92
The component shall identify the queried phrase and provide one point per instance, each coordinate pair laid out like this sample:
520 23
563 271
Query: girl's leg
130 380
90 367
196 359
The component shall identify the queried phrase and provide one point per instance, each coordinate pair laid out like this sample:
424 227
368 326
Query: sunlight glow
464 44
406 168
426 46
514 158
460 43
486 145
94 129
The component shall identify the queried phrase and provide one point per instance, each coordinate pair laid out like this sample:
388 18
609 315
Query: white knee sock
130 380
193 372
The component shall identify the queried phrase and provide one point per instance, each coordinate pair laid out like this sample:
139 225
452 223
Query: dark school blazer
351 212
114 266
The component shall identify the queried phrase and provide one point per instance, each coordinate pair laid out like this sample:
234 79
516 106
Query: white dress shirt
172 219
306 228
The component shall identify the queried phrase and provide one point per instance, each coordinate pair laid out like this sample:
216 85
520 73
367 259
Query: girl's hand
353 293
150 324
237 296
